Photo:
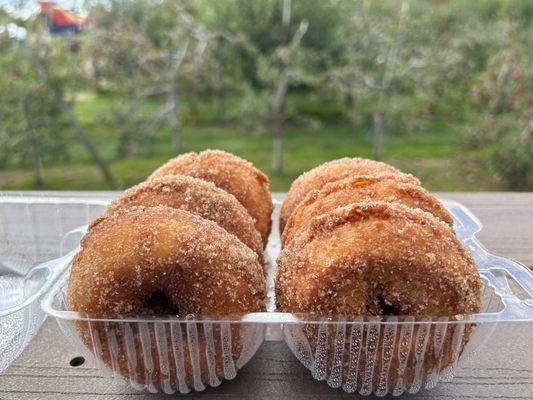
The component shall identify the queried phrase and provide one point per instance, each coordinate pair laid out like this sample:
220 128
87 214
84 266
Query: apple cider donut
198 197
377 258
332 171
231 173
161 261
360 189
383 260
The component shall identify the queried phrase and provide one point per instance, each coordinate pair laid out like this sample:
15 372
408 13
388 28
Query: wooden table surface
502 370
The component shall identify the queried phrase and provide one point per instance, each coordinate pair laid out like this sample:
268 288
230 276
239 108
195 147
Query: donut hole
159 303
387 308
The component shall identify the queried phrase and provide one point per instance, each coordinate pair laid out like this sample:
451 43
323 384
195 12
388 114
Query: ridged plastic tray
368 355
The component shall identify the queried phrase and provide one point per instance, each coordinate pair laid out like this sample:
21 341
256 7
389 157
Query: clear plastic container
365 355
34 229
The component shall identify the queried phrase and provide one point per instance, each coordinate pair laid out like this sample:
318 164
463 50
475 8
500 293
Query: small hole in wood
77 361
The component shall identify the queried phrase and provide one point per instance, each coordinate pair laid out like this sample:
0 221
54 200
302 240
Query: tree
27 113
282 60
186 62
377 60
124 57
50 76
277 48
394 55
504 93
43 71
149 50
276 71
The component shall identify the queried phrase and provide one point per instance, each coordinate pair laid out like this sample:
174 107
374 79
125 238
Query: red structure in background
62 21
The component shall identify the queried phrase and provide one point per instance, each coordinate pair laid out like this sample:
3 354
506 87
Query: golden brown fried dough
231 173
380 259
161 261
377 258
126 257
333 171
198 197
360 189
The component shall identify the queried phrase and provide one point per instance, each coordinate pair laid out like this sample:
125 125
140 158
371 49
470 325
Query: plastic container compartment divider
33 230
368 355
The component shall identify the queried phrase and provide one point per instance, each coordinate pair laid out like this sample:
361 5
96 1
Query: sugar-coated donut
161 261
377 258
359 189
198 197
231 173
332 171
381 259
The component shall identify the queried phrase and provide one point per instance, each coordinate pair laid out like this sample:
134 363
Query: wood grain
503 369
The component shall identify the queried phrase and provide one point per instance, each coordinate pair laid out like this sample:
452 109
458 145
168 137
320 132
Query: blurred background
97 94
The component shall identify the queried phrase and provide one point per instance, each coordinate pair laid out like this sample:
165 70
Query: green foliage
455 73
504 92
256 27
514 160
27 105
145 49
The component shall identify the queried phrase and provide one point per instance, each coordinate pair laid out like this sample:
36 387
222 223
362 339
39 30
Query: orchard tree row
392 65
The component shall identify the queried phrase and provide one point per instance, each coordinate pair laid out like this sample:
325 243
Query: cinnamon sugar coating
332 171
232 174
376 258
198 197
192 262
162 261
359 189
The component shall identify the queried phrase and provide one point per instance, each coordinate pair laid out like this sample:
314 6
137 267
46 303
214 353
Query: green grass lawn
438 156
